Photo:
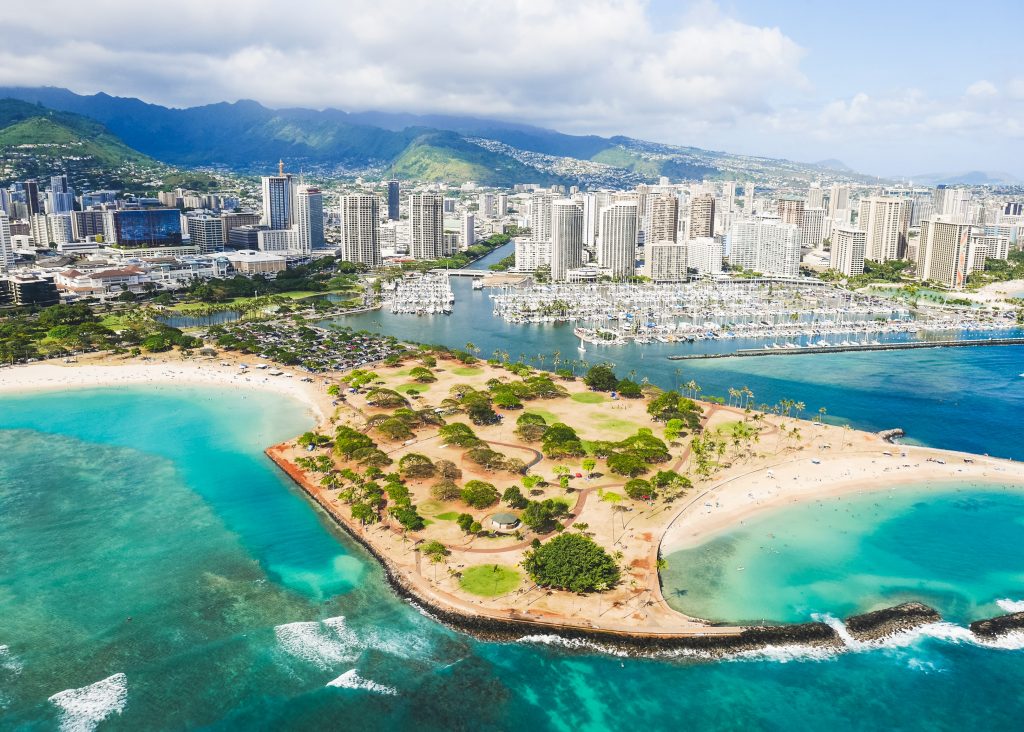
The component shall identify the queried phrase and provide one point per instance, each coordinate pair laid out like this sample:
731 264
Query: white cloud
591 66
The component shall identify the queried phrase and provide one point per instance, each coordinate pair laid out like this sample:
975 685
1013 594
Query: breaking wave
352 680
81 710
1011 606
324 643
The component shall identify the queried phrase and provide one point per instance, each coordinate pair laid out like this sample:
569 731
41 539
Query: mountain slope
36 142
247 136
448 157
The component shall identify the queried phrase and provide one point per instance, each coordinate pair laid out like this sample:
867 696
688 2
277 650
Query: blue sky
891 88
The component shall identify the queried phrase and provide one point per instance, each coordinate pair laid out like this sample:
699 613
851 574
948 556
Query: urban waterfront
956 398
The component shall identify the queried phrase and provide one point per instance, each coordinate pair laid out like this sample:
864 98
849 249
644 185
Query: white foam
81 710
1011 606
352 680
324 644
8 662
785 654
941 631
575 644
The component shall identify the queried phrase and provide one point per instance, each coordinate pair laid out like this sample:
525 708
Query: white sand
727 503
56 376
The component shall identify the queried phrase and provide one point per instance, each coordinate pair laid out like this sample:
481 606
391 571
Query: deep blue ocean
158 572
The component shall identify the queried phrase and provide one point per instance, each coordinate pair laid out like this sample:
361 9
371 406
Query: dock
854 348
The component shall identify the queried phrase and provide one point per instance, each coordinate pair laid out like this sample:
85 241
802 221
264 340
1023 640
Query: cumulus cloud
592 66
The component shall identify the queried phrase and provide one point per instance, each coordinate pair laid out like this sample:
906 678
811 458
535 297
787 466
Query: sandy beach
999 291
100 371
739 494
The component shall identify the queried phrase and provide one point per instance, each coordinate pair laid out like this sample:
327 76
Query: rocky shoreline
890 621
998 626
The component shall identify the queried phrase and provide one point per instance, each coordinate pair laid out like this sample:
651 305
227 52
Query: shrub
465 521
601 378
638 489
513 497
629 389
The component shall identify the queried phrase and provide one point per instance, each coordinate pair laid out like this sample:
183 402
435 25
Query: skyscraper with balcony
702 216
885 220
309 218
617 248
60 199
6 246
566 238
664 218
426 224
848 248
360 229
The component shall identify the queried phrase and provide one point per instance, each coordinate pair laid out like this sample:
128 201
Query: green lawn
467 371
588 397
489 580
615 423
447 516
567 502
417 387
549 417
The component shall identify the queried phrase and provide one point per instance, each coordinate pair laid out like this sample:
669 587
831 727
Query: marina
428 294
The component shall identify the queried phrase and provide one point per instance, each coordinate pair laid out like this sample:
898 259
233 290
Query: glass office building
160 227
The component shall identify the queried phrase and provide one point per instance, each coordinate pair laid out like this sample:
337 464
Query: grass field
587 397
406 388
489 580
447 516
549 417
467 371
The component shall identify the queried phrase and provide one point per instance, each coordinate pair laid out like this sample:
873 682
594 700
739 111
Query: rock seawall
998 626
890 621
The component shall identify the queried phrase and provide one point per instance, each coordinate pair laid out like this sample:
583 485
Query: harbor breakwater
851 348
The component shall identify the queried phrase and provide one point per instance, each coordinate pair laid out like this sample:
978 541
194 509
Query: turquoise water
152 558
859 553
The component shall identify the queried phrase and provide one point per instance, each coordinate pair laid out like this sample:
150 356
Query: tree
465 521
588 465
435 550
601 378
513 497
572 562
416 466
364 513
445 490
670 480
407 517
542 516
626 464
629 389
674 429
422 375
447 470
479 494
638 489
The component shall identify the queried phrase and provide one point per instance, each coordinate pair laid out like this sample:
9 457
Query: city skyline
772 81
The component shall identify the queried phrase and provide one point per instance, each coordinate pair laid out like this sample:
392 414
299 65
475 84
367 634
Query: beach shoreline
826 462
101 371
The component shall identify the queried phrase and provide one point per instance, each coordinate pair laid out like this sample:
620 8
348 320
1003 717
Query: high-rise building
30 188
748 199
61 228
40 227
502 205
705 254
945 253
394 194
702 216
812 230
144 228
815 196
728 196
467 236
426 219
487 206
566 238
848 248
278 240
664 219
360 229
765 244
838 199
791 210
532 254
6 246
278 199
206 232
951 202
540 216
616 250
232 220
309 218
665 261
246 236
60 199
87 223
885 220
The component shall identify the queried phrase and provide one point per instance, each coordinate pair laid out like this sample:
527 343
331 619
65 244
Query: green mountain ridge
447 157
